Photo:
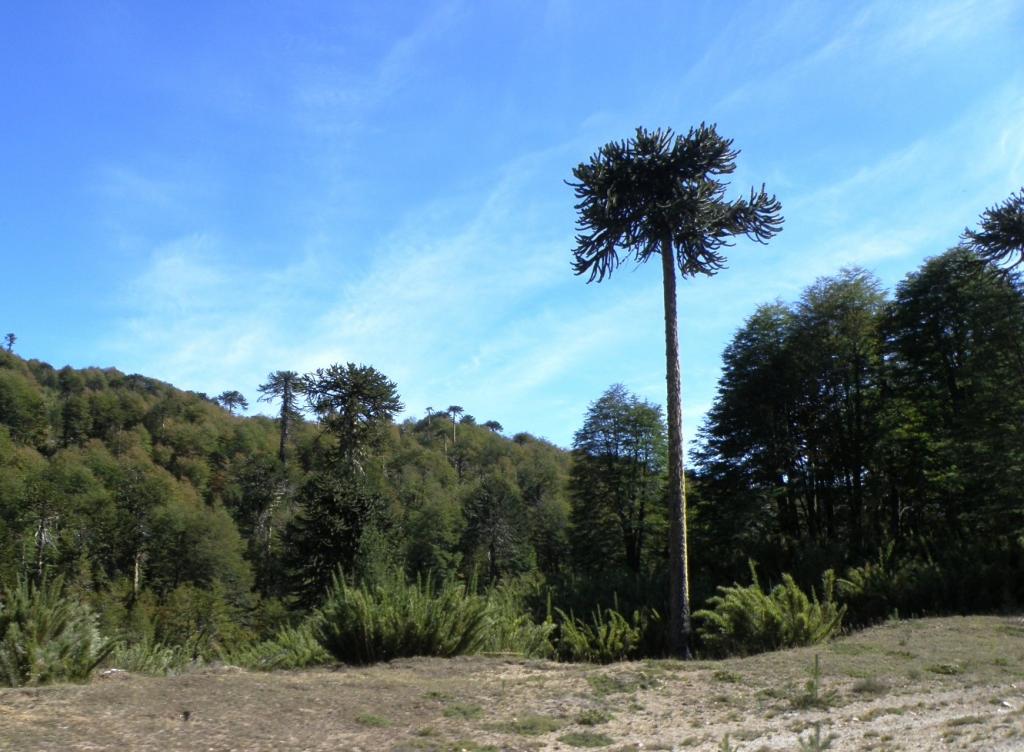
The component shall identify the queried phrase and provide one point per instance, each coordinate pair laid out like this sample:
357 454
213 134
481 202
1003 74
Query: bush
608 637
393 618
291 648
511 628
46 636
965 577
746 620
149 657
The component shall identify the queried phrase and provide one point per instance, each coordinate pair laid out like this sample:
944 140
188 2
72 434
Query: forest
863 458
874 435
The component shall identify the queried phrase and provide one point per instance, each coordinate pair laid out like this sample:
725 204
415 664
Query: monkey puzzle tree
660 193
231 400
1000 233
285 386
454 411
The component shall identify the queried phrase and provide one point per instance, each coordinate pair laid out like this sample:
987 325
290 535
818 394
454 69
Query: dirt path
937 684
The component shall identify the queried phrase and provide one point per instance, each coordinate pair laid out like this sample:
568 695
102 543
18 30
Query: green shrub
746 620
290 648
46 636
149 657
511 628
393 618
607 637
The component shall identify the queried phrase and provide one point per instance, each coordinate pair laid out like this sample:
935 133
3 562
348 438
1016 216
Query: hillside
931 684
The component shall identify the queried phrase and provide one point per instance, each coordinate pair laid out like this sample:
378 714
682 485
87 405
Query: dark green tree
955 349
9 340
1000 234
663 194
353 403
287 387
494 426
231 400
343 504
617 482
497 528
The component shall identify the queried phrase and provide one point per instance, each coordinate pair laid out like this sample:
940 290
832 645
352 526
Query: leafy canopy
635 195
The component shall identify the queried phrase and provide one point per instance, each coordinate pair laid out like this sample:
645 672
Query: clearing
930 684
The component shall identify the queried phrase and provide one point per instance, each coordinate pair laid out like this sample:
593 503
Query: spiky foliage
608 636
151 657
659 193
1000 234
291 648
393 618
511 628
46 636
745 620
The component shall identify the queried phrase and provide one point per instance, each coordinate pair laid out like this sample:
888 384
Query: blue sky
207 192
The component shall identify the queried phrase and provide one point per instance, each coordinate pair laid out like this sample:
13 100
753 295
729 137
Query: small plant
946 669
611 684
45 636
724 675
813 696
593 717
870 686
373 721
814 742
462 710
586 739
533 725
747 619
726 746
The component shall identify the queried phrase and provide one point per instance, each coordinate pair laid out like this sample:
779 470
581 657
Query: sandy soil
937 684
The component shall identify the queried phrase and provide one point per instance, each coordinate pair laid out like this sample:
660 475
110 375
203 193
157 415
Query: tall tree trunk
286 400
679 586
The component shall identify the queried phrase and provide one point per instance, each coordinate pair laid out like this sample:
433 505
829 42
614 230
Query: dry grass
885 695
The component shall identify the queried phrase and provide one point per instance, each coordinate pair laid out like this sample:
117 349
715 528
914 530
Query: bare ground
933 684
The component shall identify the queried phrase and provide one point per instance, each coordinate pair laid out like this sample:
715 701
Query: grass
593 717
463 710
372 721
532 725
605 684
586 739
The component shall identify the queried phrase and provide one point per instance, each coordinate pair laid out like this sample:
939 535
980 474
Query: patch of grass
724 675
905 654
879 712
612 684
371 720
586 739
532 725
462 710
964 720
945 669
870 686
593 717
